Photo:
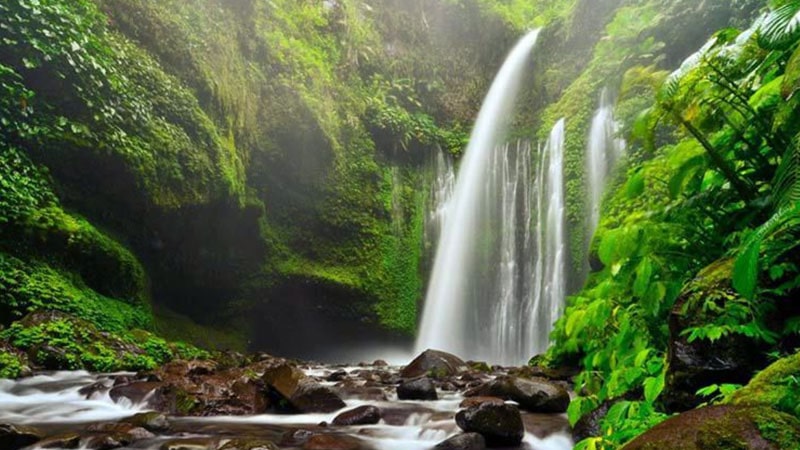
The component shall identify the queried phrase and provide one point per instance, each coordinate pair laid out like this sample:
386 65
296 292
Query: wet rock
475 401
249 444
433 363
700 363
589 424
311 397
94 388
14 437
537 395
332 442
150 421
722 427
363 415
339 375
61 441
465 441
500 425
419 389
380 363
284 379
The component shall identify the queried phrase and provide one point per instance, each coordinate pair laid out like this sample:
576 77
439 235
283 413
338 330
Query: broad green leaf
635 185
653 387
644 272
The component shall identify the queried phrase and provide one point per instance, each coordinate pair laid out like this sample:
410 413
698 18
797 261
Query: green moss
777 386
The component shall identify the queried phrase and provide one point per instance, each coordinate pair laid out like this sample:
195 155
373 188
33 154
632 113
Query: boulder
773 387
419 389
700 363
108 441
536 395
589 424
464 441
363 415
283 379
722 427
14 437
311 397
433 363
500 425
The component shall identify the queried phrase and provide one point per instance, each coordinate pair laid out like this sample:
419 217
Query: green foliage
10 365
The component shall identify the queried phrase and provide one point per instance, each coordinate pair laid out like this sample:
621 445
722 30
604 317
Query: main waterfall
498 279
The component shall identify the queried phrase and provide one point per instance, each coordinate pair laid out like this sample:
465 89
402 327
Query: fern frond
781 27
786 182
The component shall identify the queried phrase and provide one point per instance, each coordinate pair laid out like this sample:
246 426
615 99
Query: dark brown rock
723 427
14 437
433 363
419 389
311 397
108 441
589 424
464 441
500 425
363 415
537 395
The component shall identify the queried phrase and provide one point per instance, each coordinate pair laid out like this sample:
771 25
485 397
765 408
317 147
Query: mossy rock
777 386
722 427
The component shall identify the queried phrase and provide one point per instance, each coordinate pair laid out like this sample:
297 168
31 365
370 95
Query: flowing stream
71 402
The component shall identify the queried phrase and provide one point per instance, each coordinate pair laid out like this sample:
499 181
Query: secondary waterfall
498 280
602 151
442 184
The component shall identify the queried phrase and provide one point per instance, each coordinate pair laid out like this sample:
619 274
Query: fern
781 28
786 182
745 270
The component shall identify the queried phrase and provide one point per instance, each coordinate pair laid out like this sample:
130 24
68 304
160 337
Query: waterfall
497 279
550 275
602 151
442 183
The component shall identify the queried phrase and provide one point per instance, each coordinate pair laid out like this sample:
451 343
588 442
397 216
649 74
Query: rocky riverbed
262 402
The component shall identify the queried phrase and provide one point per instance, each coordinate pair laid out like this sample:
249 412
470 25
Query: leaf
653 387
780 28
686 171
635 185
644 272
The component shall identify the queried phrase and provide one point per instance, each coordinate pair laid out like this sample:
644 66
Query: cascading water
550 275
498 279
602 152
442 184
